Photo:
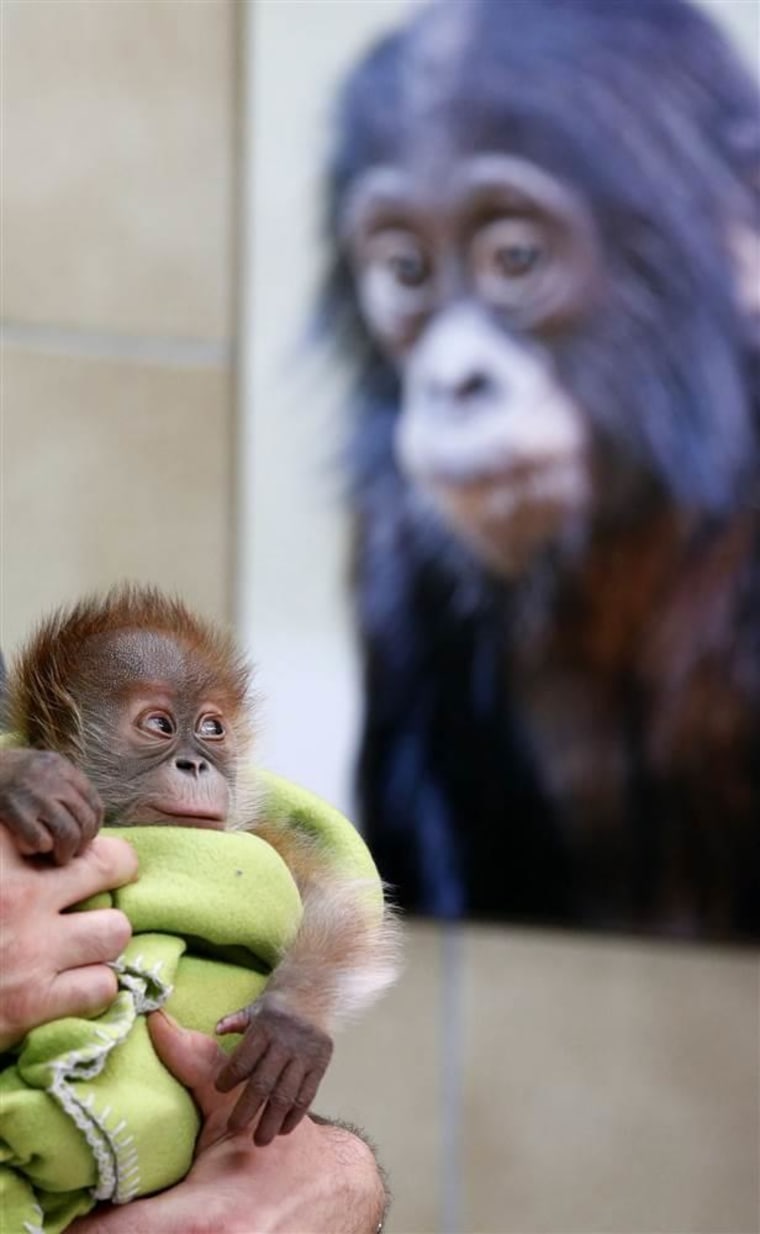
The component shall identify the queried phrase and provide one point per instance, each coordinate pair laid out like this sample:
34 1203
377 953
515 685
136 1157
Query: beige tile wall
112 469
611 1087
118 136
386 1076
538 1083
119 133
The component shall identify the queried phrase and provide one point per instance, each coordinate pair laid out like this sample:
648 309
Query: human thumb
193 1058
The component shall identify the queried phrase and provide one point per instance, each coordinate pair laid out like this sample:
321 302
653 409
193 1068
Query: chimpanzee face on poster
544 217
466 279
546 262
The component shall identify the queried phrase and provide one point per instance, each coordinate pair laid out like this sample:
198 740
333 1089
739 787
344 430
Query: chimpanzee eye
409 269
211 728
505 254
157 722
514 260
399 256
396 283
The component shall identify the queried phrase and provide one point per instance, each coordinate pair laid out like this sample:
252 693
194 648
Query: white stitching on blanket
115 1154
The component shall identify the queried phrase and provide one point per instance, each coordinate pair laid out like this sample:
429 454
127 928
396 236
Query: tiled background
118 299
526 1083
160 167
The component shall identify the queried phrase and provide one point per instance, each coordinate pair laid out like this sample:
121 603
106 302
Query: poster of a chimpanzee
545 227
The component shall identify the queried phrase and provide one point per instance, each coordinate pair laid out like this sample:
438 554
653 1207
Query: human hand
53 963
47 804
320 1178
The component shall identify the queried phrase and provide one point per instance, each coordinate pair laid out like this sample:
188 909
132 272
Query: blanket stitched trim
113 1148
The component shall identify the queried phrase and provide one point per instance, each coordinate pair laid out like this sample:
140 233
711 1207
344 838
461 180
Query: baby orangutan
133 711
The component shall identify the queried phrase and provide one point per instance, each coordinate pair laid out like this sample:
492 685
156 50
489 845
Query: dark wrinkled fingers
281 1105
31 836
282 1059
235 1023
259 1088
243 1061
91 798
59 820
82 804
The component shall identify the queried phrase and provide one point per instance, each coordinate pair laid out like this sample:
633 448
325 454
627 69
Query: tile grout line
450 1195
141 349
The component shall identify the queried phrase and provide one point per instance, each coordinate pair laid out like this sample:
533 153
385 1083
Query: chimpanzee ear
743 143
745 248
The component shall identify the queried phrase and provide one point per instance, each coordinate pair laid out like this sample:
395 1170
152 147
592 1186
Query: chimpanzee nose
191 766
470 386
460 389
462 363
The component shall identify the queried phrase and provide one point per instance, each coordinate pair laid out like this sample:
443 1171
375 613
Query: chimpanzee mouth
507 518
502 489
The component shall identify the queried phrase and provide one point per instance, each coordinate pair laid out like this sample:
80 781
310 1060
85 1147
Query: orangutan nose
192 766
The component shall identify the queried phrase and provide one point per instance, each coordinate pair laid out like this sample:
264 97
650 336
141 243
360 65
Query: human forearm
334 1184
322 1179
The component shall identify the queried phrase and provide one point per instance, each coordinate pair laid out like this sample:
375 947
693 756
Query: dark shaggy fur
643 108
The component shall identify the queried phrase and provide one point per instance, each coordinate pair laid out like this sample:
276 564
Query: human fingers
94 937
105 864
195 1060
10 857
84 984
82 991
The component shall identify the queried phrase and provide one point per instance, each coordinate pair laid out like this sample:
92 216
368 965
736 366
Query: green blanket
87 1111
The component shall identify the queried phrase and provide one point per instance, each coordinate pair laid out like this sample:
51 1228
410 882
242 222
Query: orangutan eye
211 728
158 723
